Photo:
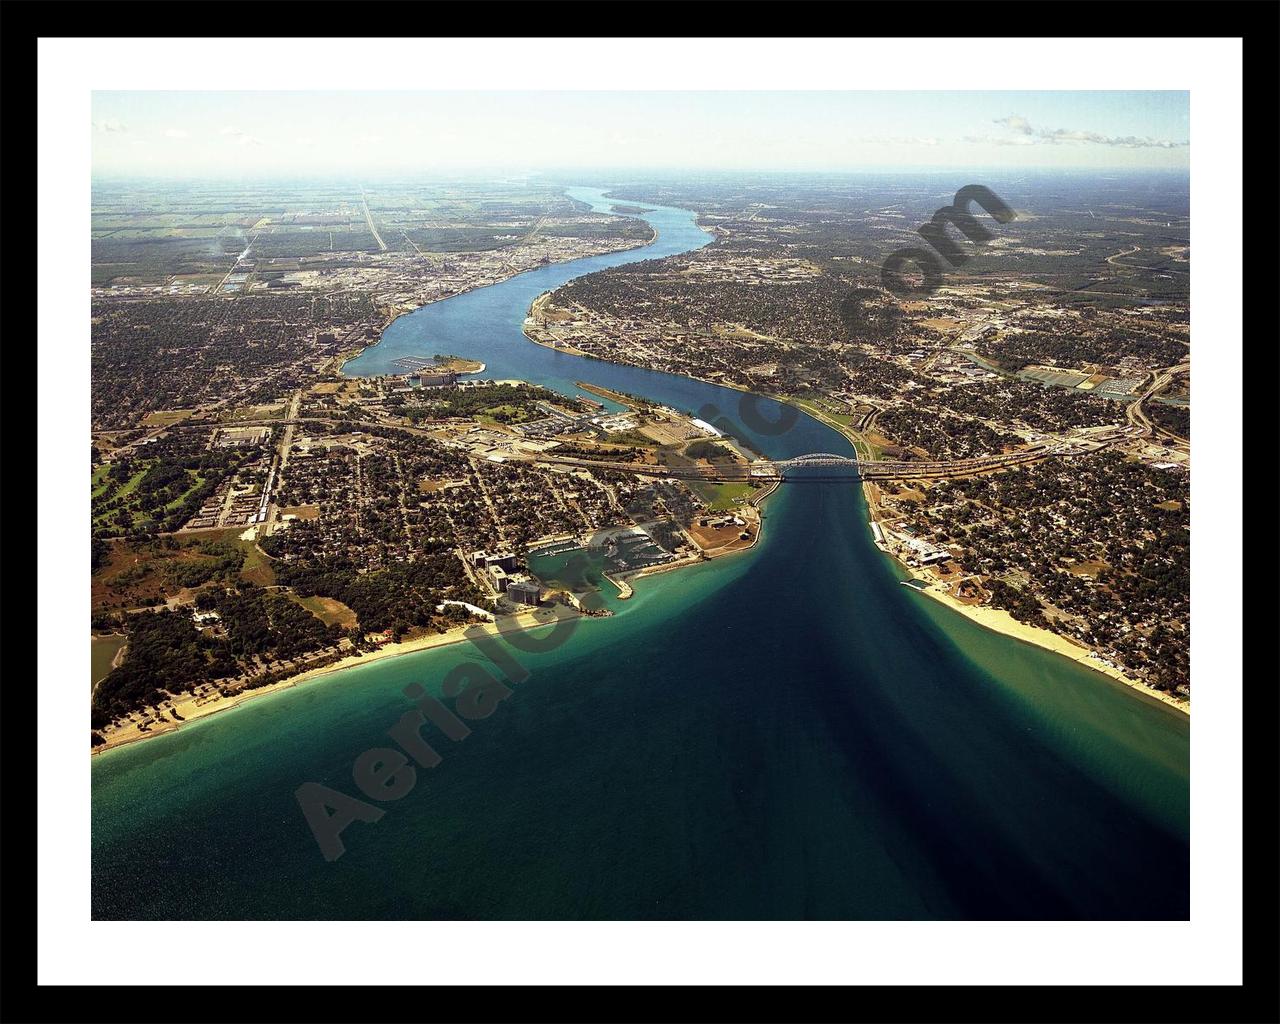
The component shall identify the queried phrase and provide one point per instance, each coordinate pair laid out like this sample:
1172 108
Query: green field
721 497
497 415
166 417
824 407
127 488
102 652
257 566
100 485
196 481
100 479
132 484
328 610
864 448
631 437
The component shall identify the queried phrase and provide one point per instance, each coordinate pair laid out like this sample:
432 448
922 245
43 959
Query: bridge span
796 468
843 467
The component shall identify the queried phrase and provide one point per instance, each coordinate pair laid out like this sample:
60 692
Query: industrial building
925 553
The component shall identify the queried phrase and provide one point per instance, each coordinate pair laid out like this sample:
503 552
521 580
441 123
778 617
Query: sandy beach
997 619
193 709
1000 621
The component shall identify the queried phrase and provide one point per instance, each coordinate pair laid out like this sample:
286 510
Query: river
783 734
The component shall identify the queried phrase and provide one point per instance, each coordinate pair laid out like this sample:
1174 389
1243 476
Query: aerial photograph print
640 505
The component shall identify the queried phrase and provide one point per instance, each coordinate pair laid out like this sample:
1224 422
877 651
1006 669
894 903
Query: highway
764 471
269 506
217 288
368 218
1136 412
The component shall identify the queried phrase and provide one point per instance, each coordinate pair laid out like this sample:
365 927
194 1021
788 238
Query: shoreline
472 288
542 299
706 555
193 712
1000 621
995 619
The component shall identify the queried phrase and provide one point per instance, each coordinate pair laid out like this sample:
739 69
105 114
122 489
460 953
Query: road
526 240
1136 412
765 471
282 459
368 219
217 288
1119 255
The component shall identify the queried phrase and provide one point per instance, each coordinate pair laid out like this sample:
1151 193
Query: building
503 559
523 590
437 380
484 560
924 552
616 424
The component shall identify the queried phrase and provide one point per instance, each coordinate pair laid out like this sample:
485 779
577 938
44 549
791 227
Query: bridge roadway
781 469
784 469
764 470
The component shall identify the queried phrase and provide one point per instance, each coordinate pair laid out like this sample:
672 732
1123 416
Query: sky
303 134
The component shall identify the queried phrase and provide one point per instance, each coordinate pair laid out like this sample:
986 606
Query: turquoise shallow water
786 733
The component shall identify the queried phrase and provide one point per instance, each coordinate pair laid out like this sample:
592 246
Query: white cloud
898 140
1000 140
240 138
176 133
1016 123
1025 132
110 125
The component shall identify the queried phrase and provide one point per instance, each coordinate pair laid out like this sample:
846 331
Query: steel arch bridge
816 459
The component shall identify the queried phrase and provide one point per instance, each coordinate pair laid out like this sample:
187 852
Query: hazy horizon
560 175
309 135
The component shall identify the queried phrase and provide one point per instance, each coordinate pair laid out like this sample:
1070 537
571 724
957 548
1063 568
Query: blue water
787 733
